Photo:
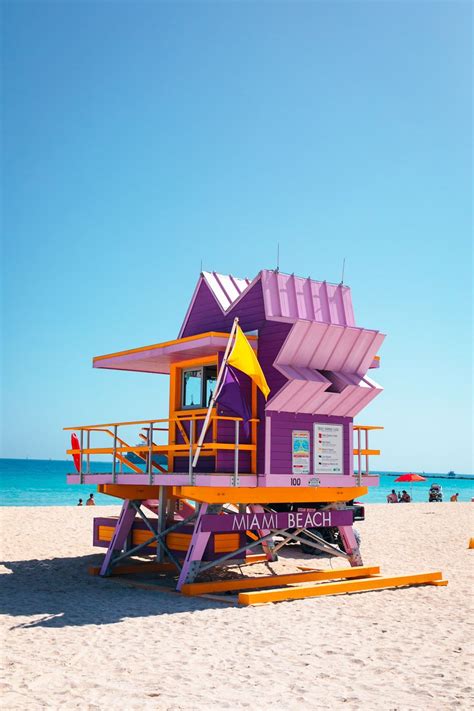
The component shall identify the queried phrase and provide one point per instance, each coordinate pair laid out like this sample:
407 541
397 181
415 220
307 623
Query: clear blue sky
140 138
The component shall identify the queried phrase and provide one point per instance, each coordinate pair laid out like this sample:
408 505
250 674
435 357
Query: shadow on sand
63 594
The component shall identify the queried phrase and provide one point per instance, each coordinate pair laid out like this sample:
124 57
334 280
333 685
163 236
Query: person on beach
405 497
90 501
392 498
454 497
79 502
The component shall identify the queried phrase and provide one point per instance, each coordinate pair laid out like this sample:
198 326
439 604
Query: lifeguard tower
205 486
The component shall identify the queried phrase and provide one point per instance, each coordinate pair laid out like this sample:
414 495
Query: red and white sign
328 449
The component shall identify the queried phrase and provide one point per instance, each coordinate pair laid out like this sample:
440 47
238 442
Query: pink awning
159 357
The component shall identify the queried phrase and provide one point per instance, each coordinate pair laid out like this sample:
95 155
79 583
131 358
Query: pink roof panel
159 357
330 347
288 297
311 396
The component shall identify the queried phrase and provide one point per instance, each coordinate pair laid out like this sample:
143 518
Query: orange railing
364 451
146 451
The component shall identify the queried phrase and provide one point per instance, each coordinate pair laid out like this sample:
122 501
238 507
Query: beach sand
74 641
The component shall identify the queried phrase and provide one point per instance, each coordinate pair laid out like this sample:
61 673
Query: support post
191 444
359 463
195 552
351 545
114 459
366 449
150 453
161 521
119 539
81 473
88 456
235 478
268 545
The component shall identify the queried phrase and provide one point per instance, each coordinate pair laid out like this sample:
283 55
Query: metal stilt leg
161 521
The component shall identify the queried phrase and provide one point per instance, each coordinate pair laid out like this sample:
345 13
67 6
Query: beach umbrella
410 478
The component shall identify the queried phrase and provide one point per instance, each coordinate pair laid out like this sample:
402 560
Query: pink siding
270 338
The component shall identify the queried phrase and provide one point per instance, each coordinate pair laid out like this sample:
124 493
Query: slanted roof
159 357
286 297
309 391
311 351
320 346
225 287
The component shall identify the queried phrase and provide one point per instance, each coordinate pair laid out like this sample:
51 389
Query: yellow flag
243 358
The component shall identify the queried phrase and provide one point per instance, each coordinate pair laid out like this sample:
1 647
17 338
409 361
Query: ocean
38 482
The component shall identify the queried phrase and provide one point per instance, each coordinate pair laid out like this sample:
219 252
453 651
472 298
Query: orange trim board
130 491
266 581
267 495
367 427
187 339
223 542
366 452
344 586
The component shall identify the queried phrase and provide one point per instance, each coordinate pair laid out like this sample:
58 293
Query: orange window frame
176 371
175 406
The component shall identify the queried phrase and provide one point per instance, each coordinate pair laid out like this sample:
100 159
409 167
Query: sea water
30 482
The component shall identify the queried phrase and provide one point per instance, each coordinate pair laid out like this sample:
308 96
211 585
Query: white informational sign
328 449
300 452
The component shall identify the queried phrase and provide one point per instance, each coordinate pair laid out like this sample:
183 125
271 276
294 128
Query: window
192 388
210 378
197 386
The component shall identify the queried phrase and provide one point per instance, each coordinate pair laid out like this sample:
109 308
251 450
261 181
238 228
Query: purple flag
231 397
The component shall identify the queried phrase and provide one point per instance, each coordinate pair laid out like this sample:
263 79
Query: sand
74 641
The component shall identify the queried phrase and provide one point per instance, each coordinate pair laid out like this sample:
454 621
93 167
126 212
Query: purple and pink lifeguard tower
217 490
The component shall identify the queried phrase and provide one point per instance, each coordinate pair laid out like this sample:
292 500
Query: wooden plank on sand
141 567
268 581
345 586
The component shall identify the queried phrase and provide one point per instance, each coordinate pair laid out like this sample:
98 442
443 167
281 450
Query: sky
140 139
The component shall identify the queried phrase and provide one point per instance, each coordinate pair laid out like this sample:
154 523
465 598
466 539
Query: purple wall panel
225 459
207 314
283 423
205 310
270 339
205 464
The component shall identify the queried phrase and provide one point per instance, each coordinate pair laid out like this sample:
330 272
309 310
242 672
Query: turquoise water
29 482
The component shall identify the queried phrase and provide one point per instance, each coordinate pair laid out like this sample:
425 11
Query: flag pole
214 394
